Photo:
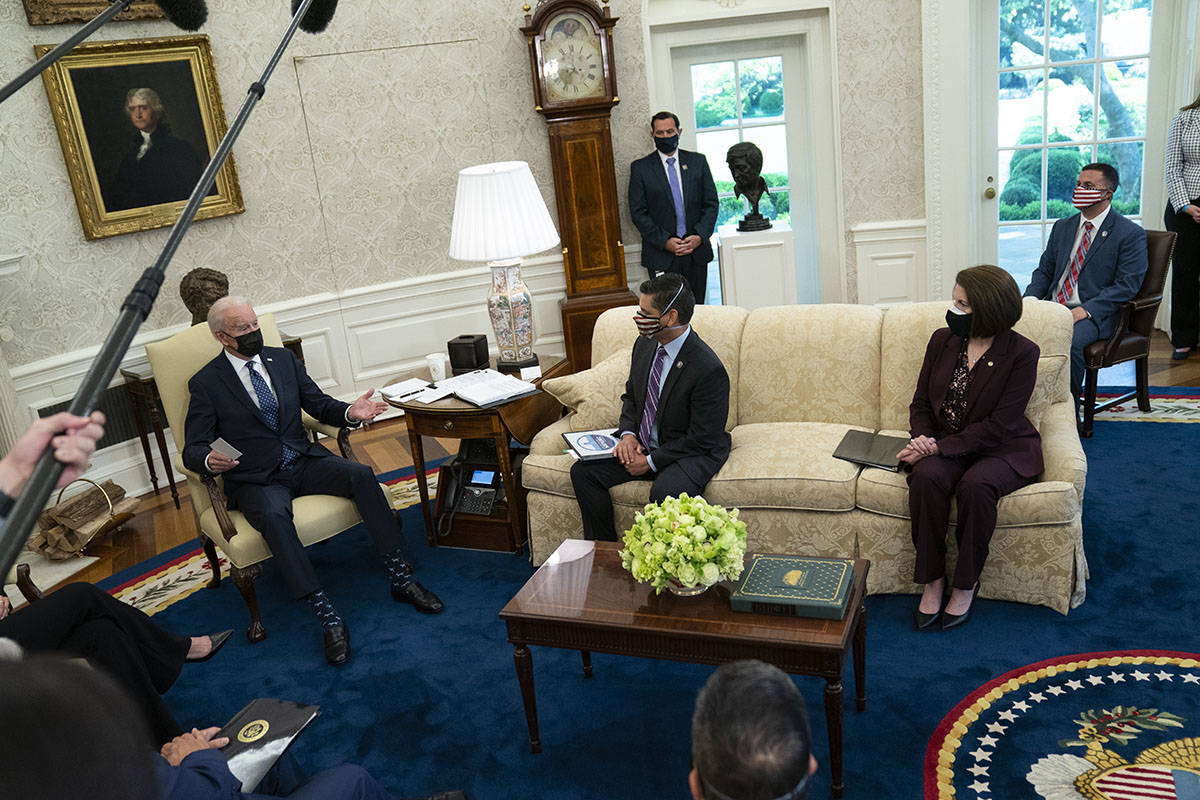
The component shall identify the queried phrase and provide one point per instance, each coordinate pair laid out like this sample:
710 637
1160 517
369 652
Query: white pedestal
758 268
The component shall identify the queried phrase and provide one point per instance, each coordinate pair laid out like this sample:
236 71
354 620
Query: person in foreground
673 411
251 396
971 441
750 736
1093 263
73 439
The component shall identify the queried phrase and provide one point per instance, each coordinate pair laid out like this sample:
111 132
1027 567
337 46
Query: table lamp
499 217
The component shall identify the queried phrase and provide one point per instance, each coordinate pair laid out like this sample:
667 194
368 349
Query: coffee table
582 599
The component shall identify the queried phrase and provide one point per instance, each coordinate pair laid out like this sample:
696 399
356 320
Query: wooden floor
158 525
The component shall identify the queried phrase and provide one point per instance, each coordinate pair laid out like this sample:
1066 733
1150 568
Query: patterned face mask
1087 197
651 326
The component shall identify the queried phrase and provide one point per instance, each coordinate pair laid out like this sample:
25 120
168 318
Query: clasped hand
630 454
917 448
684 246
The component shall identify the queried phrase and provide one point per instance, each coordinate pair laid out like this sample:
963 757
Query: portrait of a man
158 167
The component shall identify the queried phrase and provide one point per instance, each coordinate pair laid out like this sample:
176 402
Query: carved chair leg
244 578
210 550
1141 368
1091 378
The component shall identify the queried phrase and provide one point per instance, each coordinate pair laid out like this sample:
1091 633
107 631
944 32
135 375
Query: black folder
871 449
258 735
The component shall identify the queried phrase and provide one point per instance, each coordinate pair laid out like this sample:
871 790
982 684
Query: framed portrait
138 121
53 12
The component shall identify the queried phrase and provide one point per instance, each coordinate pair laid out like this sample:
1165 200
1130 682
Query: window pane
1021 106
1022 32
1127 158
761 87
1062 171
772 140
714 145
731 210
1071 30
1020 185
1070 104
1020 249
714 94
776 205
1123 111
1126 28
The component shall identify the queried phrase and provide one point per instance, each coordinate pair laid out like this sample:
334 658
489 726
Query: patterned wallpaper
348 165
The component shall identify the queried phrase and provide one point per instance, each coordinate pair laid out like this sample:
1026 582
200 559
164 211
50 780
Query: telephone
473 483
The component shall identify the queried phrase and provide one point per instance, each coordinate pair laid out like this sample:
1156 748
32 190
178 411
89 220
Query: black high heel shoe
950 621
218 641
926 622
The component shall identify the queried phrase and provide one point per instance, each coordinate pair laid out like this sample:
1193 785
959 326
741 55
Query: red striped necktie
1068 287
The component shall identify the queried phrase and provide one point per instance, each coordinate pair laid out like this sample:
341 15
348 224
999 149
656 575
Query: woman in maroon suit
970 440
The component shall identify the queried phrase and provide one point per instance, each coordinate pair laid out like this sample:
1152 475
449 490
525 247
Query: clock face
572 64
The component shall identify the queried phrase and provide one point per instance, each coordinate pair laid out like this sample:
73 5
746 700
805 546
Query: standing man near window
673 202
1094 262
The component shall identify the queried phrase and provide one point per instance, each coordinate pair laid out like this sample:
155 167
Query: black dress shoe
218 641
421 598
923 621
950 621
1180 354
337 643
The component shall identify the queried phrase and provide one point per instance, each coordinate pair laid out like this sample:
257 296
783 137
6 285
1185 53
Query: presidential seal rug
1120 725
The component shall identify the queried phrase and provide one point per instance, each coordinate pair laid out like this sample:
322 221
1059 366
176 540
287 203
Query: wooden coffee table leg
587 663
833 724
524 662
860 660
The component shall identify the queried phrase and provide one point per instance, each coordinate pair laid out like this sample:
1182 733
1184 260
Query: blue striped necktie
270 411
652 390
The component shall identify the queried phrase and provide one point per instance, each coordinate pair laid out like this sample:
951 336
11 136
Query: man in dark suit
673 202
251 396
673 411
1093 263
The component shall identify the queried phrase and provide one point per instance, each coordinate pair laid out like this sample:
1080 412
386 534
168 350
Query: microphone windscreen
318 16
186 14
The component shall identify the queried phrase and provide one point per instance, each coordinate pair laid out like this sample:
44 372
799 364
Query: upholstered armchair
318 517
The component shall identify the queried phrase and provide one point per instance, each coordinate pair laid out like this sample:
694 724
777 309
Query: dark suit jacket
692 407
653 209
221 408
1112 272
996 401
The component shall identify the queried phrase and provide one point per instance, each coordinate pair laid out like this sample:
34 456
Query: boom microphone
318 16
186 14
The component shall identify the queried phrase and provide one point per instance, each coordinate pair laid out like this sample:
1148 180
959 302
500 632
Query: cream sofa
800 377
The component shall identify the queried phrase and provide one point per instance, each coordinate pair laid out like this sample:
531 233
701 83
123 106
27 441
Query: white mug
437 366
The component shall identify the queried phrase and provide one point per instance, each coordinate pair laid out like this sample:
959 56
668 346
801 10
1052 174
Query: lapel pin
989 363
683 166
678 364
1103 234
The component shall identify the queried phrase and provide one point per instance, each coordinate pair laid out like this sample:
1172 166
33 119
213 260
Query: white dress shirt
243 373
1097 221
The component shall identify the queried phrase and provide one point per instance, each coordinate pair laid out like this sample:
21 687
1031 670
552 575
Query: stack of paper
484 387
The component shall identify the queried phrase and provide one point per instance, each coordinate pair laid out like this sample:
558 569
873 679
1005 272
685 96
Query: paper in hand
226 449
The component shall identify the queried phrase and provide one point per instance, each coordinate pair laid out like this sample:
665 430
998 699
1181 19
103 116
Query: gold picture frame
54 12
129 176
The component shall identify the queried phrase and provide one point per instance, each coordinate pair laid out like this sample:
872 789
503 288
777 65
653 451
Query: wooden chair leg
1091 378
26 585
210 550
244 579
1141 368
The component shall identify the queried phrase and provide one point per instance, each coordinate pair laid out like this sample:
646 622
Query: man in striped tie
673 411
251 396
1093 263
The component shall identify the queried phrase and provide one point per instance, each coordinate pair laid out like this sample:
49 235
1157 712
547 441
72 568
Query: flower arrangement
685 539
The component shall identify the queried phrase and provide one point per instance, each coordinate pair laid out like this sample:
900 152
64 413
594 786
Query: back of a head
70 733
750 735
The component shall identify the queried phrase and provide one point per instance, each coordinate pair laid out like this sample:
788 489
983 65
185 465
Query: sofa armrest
549 441
1062 451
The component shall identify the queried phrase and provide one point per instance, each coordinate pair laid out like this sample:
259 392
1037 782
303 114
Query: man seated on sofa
750 736
673 411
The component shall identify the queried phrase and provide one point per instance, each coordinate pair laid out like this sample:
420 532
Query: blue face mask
667 144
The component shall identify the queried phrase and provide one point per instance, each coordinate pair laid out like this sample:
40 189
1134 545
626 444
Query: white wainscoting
891 259
353 341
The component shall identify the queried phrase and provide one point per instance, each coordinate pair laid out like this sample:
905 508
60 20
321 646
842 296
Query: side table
452 418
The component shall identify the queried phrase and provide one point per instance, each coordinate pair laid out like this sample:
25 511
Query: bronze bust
200 288
745 162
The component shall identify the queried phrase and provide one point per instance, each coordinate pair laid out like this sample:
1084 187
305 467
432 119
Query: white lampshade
499 214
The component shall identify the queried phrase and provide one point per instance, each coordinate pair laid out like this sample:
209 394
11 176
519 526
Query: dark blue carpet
430 703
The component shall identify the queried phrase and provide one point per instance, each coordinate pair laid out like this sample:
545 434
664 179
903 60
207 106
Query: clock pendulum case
574 88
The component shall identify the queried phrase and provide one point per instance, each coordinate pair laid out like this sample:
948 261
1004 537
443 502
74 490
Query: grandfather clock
575 88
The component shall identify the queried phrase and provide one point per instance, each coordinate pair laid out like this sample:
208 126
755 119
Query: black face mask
960 324
667 144
250 344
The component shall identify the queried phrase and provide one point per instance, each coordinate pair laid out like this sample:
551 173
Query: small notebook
871 449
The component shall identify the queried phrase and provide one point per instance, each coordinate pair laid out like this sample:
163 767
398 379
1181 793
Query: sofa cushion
1047 503
785 465
594 394
805 363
